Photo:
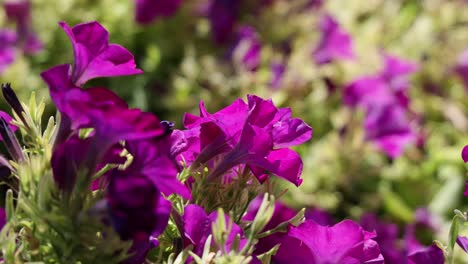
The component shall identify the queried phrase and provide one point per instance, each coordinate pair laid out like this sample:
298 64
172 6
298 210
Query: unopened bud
13 101
10 141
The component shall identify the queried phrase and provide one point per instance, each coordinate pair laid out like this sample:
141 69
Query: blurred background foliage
343 173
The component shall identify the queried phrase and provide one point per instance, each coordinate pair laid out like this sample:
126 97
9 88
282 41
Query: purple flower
68 160
388 86
431 254
3 218
388 127
465 154
153 160
277 72
222 15
319 216
387 238
463 243
407 248
98 108
345 243
281 214
334 44
462 67
247 48
7 48
20 13
94 56
146 11
384 100
137 209
197 227
256 134
396 72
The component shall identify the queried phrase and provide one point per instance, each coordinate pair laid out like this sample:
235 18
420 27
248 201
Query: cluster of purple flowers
134 195
253 137
384 99
24 38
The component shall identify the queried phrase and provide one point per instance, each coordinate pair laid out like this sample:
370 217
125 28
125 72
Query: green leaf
9 207
395 205
453 234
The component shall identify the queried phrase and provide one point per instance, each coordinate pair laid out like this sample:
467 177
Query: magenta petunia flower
387 238
68 159
8 40
396 71
334 44
197 227
431 254
345 243
465 153
137 209
384 100
388 86
100 109
277 75
153 160
256 134
406 249
389 128
319 216
94 56
248 48
109 116
146 11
